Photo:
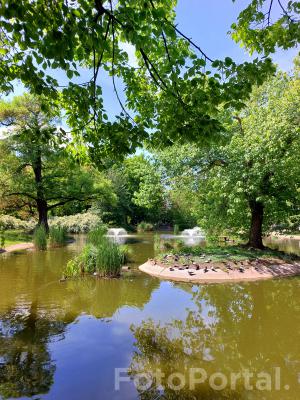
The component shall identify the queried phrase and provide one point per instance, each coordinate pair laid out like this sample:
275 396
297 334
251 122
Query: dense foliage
176 85
77 223
217 155
257 181
38 173
250 184
139 191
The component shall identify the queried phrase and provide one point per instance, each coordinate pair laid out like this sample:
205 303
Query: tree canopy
37 171
250 184
175 78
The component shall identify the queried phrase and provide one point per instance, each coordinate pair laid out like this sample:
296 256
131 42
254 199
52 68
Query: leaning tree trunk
257 214
41 202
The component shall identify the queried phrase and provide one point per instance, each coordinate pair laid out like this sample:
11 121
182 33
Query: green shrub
144 227
100 255
57 236
9 222
78 223
40 238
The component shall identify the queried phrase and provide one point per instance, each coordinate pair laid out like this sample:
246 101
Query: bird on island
181 268
241 269
171 269
191 273
214 269
206 269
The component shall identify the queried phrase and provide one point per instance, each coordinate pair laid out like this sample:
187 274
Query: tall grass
96 236
2 238
162 245
157 243
176 229
100 256
57 236
126 252
40 238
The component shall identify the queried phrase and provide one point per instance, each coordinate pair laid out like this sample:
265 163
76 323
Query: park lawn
16 236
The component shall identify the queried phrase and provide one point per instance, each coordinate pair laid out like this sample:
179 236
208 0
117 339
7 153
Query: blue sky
207 23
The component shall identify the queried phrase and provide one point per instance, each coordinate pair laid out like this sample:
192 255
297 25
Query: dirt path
16 247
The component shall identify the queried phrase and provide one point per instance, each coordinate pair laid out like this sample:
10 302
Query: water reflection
286 244
64 340
234 328
26 367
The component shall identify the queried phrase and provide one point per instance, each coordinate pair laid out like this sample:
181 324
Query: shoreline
190 274
17 247
283 236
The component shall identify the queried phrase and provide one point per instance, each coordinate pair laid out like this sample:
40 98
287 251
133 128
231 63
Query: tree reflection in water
26 368
232 328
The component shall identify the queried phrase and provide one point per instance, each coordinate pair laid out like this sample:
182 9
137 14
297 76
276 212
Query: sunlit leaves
264 25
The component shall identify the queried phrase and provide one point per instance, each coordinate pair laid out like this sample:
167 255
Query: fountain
117 235
189 237
196 231
116 232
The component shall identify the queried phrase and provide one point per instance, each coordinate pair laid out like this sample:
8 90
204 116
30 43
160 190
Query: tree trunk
43 213
257 214
41 202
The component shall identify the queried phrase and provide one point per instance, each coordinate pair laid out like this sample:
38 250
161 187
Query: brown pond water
64 340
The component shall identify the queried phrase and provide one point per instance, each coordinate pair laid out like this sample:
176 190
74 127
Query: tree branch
21 194
68 200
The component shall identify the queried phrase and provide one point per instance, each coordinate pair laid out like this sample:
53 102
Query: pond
115 339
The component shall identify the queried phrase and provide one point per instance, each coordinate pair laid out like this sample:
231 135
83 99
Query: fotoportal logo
194 377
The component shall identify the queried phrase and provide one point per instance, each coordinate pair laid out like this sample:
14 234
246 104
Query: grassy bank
16 237
226 253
